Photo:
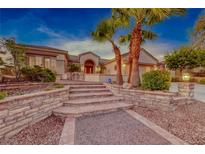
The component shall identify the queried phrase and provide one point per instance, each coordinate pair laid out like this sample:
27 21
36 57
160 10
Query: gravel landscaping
23 88
186 122
46 132
114 129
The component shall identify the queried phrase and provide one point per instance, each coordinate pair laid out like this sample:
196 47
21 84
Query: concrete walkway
113 129
199 93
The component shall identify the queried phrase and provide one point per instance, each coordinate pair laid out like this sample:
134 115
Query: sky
70 29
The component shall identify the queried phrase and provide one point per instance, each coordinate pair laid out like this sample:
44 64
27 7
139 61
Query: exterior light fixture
186 77
123 65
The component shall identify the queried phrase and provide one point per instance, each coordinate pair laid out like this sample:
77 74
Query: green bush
74 68
156 80
38 73
202 81
2 95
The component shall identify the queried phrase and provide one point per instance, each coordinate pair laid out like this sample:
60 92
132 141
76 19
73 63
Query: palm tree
105 32
146 35
199 33
143 18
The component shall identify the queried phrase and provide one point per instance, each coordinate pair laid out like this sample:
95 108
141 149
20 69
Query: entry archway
89 67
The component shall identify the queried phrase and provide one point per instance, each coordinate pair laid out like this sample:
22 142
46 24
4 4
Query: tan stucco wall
146 61
89 56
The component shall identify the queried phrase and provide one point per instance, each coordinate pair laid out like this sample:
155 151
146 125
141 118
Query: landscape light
186 77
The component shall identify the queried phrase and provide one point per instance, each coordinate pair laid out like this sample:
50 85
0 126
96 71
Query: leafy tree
18 55
74 68
143 18
104 32
183 58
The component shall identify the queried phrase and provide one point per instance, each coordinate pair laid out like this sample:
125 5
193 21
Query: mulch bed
186 122
46 132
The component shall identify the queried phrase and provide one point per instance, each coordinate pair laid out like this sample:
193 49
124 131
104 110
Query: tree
105 32
18 55
143 18
74 68
183 58
1 61
146 35
198 38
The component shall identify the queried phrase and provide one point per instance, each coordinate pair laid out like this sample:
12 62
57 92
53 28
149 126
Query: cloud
76 47
48 31
160 47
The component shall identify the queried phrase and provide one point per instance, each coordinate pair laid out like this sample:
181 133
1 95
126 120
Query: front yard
186 122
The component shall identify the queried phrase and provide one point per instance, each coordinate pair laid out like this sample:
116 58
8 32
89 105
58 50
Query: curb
68 133
162 132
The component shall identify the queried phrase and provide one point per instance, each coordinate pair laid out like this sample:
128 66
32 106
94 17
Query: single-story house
90 63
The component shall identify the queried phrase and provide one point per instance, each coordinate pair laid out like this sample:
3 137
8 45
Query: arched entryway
89 66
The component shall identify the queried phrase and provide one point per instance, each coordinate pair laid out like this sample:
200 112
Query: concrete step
88 90
81 83
65 111
90 95
81 102
87 86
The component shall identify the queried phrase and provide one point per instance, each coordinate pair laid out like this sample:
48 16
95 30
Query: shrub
2 95
38 73
74 68
156 80
202 81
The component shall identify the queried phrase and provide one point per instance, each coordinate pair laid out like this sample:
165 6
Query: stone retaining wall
154 99
19 112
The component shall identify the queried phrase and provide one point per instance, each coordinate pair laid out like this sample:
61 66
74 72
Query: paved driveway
199 93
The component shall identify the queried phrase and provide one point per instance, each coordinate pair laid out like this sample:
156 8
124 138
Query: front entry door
89 69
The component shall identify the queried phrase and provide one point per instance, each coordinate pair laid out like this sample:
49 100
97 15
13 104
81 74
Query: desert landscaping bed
15 89
47 131
186 122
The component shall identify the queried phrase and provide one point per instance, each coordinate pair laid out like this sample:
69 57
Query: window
31 61
53 64
47 63
39 61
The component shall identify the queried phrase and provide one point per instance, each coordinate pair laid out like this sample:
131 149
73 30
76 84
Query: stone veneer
18 112
154 99
186 89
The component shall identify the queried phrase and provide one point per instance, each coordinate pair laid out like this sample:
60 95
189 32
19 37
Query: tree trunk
135 49
180 74
130 63
118 63
130 68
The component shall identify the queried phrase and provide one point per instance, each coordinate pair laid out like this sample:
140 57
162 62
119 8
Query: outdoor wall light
186 77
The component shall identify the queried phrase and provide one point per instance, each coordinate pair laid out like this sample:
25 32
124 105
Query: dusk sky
70 29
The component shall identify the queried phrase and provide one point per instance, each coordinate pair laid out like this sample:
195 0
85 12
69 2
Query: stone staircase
90 98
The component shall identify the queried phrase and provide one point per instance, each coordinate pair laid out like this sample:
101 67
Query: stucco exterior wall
89 56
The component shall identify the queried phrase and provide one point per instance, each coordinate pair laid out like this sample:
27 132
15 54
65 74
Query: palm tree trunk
130 68
130 63
135 48
118 63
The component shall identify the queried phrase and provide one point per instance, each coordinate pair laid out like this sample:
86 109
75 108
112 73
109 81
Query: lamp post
186 88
